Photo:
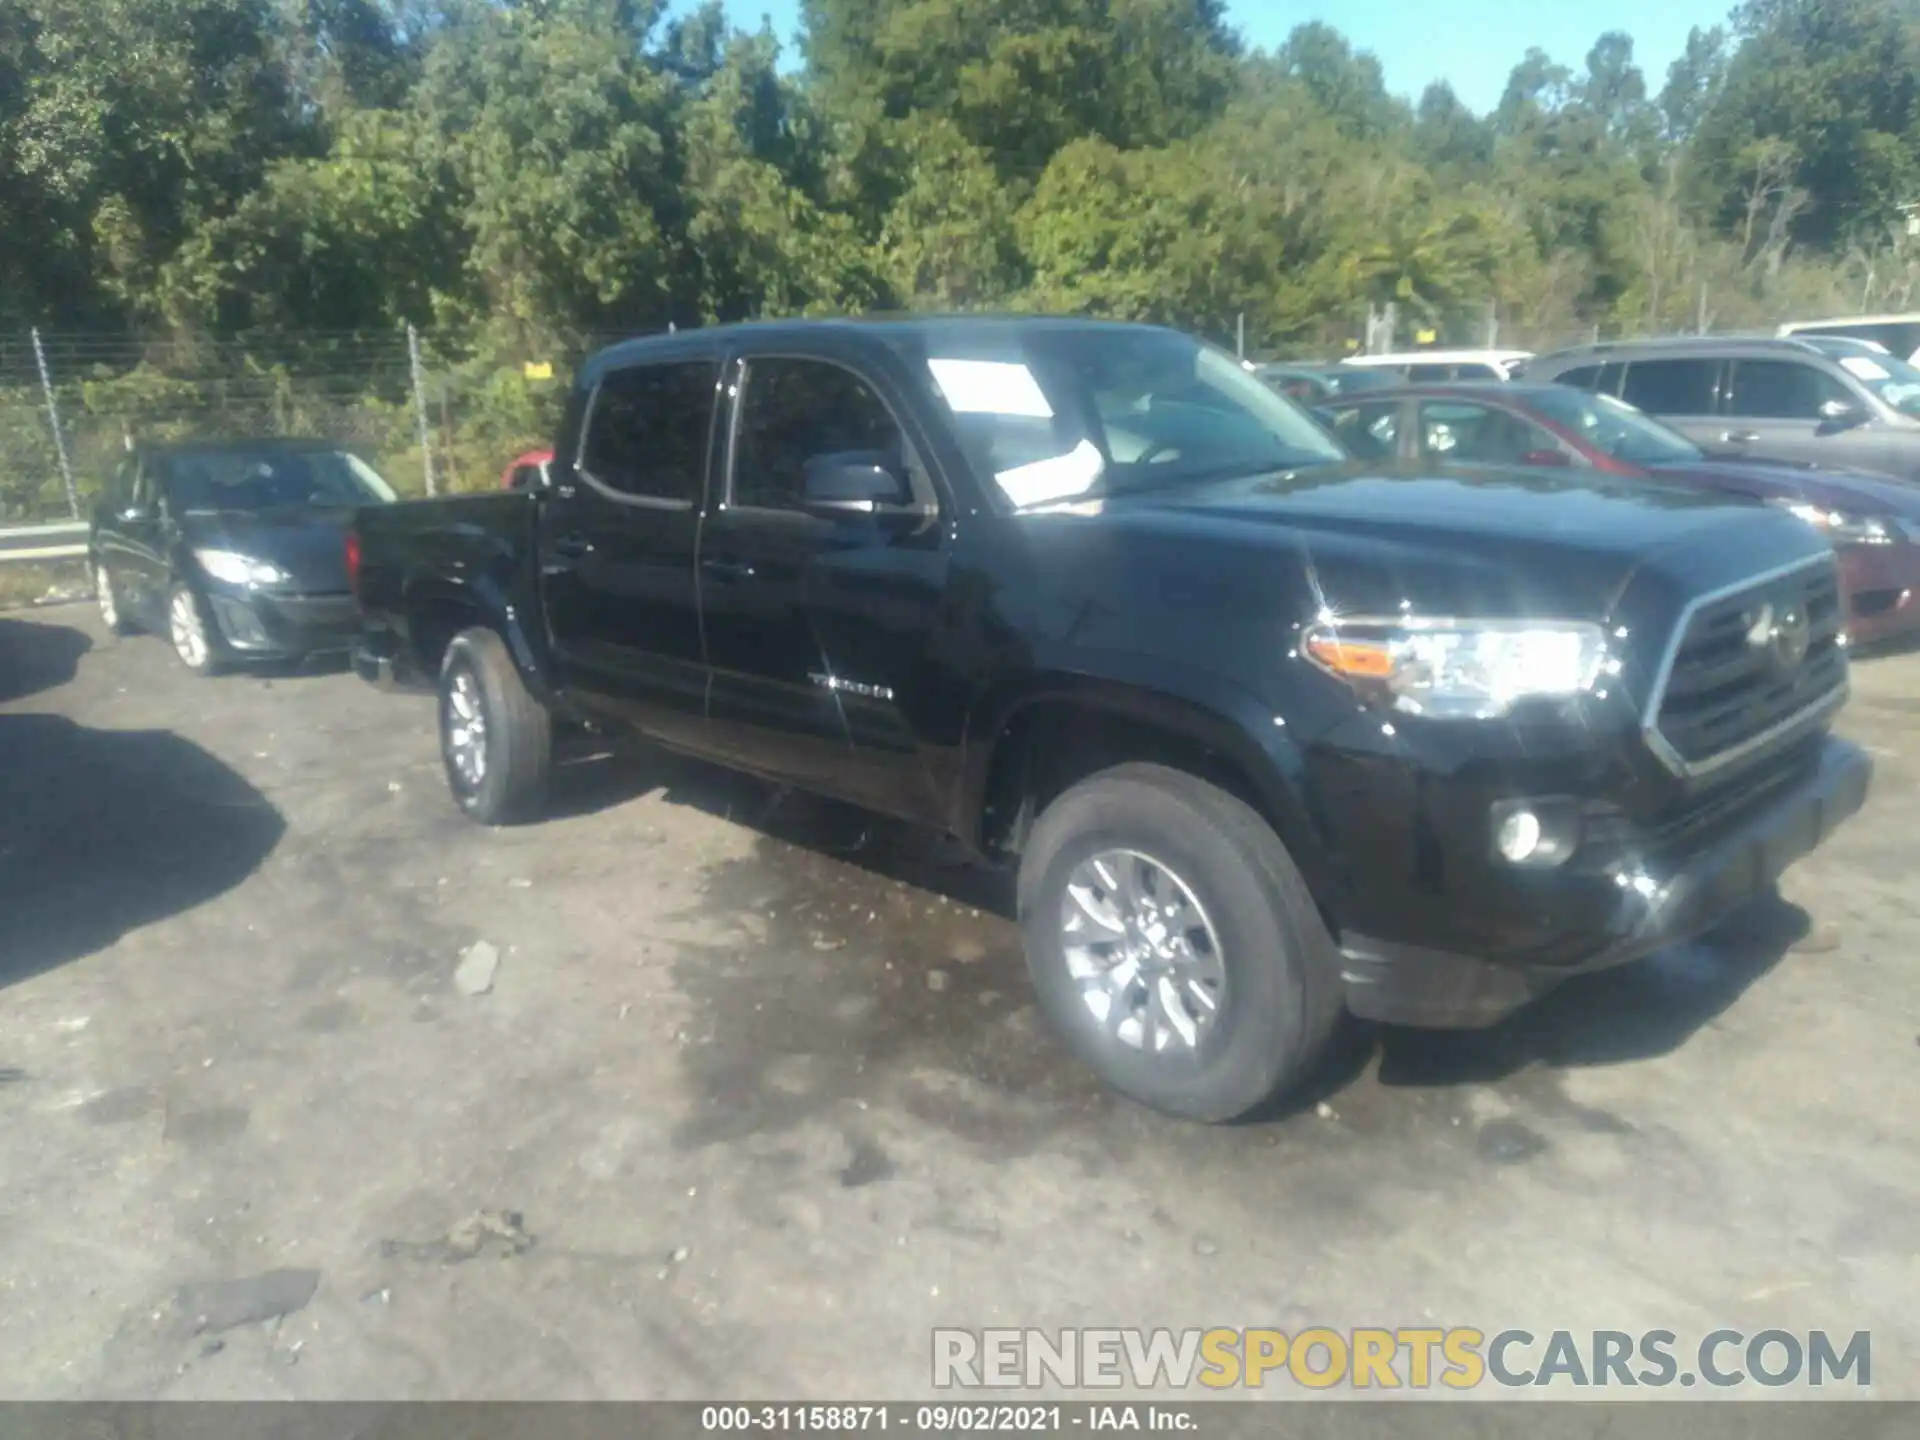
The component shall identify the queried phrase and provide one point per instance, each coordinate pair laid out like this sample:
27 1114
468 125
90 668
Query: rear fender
492 605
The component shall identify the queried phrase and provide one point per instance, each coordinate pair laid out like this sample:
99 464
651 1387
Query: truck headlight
237 569
1838 526
1466 669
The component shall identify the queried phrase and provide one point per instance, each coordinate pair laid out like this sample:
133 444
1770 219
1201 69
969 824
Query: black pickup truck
1268 733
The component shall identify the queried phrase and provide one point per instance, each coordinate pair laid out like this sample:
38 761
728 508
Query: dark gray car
1771 399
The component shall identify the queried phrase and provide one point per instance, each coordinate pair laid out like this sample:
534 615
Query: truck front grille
1751 665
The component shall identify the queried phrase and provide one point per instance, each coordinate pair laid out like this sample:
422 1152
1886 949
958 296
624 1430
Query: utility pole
53 419
420 405
1240 336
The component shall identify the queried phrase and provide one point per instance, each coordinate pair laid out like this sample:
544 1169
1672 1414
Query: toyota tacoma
1268 733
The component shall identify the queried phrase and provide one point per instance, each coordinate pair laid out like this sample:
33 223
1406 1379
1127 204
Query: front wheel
1174 943
495 738
193 637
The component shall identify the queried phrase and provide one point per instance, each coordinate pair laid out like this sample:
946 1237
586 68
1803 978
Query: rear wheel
495 738
113 611
1174 943
194 640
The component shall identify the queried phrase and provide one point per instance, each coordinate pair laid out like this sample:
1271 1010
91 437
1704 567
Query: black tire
210 657
113 604
1282 997
516 737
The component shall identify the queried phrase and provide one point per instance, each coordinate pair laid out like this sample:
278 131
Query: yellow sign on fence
539 369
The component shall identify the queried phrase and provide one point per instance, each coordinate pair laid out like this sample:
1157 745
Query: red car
529 472
1873 521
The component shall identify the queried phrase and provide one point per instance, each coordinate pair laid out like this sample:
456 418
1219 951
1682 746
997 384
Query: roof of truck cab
885 328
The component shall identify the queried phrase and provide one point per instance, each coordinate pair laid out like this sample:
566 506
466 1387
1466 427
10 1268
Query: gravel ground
741 1095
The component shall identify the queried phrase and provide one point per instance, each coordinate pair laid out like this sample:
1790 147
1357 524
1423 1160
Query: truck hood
308 544
1485 540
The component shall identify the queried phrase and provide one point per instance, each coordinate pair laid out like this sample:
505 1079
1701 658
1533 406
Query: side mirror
1556 458
857 482
1839 414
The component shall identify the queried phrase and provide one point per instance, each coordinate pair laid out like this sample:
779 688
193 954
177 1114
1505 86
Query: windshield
1892 380
215 480
1052 415
1615 427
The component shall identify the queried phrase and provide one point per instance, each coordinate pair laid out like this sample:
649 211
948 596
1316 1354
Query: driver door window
1780 390
796 411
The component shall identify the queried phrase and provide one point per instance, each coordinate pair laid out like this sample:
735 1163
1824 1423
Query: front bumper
1881 587
1659 902
279 625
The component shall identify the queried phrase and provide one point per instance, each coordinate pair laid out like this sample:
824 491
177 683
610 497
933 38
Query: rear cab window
648 429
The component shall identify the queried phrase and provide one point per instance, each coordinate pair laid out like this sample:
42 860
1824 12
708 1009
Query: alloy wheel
1145 956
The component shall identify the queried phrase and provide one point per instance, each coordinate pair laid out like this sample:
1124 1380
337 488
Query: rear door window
1481 435
1780 390
648 432
1672 387
1370 431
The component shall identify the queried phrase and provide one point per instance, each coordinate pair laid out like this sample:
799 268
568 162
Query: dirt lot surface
757 1095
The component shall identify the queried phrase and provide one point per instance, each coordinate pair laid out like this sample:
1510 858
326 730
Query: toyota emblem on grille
1780 628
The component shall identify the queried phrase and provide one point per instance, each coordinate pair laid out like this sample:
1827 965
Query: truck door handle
1738 437
572 547
728 571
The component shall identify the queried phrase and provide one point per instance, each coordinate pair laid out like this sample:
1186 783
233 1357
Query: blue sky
1472 43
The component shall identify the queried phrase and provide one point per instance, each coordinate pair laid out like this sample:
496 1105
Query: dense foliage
516 176
545 168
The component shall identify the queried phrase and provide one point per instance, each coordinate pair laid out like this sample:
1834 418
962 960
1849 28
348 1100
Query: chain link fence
428 411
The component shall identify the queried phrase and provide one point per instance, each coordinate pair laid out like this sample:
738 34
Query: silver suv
1770 399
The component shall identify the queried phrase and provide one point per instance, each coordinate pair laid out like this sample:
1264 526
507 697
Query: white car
1897 334
1426 367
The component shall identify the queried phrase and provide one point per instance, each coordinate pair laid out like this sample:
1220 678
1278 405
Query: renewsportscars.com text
1416 1358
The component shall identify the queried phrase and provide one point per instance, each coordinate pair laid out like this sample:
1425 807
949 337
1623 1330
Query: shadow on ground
36 656
865 998
103 831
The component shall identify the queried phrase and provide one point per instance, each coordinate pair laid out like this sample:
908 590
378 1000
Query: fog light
1536 833
1519 836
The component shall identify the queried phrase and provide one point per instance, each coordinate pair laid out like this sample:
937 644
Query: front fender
1193 706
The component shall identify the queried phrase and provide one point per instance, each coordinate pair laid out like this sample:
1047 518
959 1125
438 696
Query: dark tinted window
1371 432
1780 390
800 410
1671 387
211 481
1585 377
1480 434
1429 374
647 435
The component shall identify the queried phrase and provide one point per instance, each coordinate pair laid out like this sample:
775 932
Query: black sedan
234 550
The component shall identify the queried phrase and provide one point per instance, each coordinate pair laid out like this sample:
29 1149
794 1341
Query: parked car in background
1265 733
529 472
1423 367
1311 384
232 549
1872 522
1778 399
1899 335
